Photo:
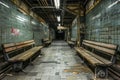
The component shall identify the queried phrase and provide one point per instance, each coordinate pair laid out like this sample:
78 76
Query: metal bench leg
31 63
95 72
17 66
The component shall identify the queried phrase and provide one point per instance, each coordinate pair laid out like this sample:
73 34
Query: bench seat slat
107 62
47 42
17 57
112 52
25 55
46 39
73 39
96 53
70 42
89 58
30 53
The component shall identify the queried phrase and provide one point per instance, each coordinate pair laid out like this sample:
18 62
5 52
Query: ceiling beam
42 7
63 11
70 11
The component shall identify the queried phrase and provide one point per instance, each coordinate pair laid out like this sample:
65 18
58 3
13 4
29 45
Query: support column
78 31
68 34
80 27
49 34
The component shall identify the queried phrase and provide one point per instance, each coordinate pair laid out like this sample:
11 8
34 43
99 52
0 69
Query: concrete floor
58 62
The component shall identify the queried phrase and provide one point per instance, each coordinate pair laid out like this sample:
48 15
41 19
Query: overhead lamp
33 22
111 5
22 11
42 23
57 4
4 4
20 18
58 18
59 24
97 16
61 28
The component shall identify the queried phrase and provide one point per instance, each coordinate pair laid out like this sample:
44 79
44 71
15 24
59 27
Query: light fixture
22 11
111 5
33 22
42 23
57 4
97 16
59 24
4 4
58 18
20 18
61 28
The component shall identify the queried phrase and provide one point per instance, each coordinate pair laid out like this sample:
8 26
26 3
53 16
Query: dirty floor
58 62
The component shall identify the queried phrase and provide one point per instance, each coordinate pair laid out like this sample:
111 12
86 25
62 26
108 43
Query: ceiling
46 9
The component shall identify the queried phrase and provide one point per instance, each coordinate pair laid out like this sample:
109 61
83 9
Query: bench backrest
73 39
11 49
46 39
108 49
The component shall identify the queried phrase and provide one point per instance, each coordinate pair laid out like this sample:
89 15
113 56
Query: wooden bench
72 42
46 42
18 53
98 55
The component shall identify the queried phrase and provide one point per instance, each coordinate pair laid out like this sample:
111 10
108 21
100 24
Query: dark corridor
60 35
59 39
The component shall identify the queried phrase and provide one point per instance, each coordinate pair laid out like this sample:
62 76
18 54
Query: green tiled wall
28 29
52 33
8 21
74 29
103 23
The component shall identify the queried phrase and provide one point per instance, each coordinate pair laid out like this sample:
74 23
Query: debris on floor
59 62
